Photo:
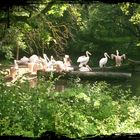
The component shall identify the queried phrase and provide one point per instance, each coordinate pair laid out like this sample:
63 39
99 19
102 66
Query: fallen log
88 75
134 61
101 75
123 68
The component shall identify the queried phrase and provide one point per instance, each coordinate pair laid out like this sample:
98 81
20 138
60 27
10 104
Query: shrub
78 111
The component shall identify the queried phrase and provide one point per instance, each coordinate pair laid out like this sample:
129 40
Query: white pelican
83 60
34 64
50 64
67 60
67 63
118 58
44 62
103 60
34 58
23 60
59 66
15 64
85 68
56 65
46 57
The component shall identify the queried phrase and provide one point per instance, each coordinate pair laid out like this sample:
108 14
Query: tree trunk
17 55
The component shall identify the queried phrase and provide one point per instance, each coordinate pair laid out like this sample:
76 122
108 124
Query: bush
78 111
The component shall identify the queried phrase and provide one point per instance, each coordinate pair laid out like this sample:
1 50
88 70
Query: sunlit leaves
136 18
83 96
124 7
133 11
57 10
97 104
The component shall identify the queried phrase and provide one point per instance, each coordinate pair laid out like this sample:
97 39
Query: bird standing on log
83 60
118 58
103 61
67 63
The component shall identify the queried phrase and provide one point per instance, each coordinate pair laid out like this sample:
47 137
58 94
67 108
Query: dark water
133 84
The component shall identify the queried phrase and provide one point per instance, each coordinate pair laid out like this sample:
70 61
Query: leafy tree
41 28
105 27
132 11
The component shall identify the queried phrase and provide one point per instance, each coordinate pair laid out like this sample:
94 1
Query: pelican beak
89 67
89 53
108 56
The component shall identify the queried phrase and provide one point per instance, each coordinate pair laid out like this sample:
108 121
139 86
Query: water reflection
133 84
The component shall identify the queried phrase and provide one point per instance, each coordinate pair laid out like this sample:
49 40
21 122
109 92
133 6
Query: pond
133 84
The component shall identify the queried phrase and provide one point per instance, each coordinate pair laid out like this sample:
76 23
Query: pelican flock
35 63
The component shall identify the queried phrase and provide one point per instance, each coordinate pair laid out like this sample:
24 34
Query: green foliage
14 38
132 11
106 27
37 29
57 28
80 110
57 10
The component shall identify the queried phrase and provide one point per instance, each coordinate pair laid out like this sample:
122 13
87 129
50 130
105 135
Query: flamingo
103 60
118 58
83 60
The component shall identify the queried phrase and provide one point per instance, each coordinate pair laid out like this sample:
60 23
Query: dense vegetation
94 109
71 28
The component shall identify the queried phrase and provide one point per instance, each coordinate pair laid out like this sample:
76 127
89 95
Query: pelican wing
123 56
33 58
82 59
102 62
24 60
